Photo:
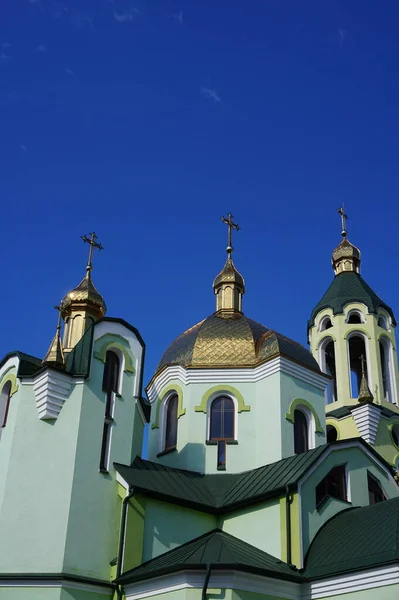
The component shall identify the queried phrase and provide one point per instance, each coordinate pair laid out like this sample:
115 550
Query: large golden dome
230 339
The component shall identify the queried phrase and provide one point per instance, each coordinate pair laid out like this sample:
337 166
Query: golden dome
85 293
229 274
230 339
346 257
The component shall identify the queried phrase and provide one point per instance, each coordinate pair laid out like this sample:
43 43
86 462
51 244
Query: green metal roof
345 288
28 365
219 492
355 539
216 548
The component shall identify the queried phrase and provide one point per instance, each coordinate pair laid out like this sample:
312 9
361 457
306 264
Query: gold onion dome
84 294
229 274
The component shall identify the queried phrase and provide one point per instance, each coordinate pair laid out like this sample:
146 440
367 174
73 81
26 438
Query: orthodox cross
59 317
93 244
230 226
344 218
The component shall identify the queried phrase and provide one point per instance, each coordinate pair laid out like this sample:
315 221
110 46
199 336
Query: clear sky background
146 120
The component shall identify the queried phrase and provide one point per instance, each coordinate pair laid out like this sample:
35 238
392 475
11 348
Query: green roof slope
219 492
216 548
345 288
357 538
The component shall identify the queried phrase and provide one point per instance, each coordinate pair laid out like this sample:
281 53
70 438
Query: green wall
168 526
257 525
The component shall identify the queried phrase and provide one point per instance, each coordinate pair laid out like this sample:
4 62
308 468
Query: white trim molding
51 389
367 418
278 588
231 376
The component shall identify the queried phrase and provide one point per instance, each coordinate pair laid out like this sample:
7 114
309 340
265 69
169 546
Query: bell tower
351 334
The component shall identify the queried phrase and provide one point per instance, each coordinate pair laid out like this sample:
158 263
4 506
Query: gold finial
230 226
365 395
93 244
55 355
344 218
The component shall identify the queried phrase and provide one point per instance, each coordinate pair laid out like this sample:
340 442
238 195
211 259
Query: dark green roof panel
345 288
215 493
216 548
356 539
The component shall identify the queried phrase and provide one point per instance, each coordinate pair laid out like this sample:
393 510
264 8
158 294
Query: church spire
229 285
55 354
84 305
345 257
365 395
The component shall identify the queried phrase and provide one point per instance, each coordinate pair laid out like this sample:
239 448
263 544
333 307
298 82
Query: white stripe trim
276 365
237 580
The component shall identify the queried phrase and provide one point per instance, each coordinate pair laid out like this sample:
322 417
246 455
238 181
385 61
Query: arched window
332 434
5 403
382 322
325 323
357 350
222 414
110 387
327 362
301 429
386 369
171 423
354 316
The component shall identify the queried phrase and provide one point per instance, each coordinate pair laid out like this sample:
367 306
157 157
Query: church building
271 470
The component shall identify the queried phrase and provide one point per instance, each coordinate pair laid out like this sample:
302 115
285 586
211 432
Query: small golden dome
230 339
85 293
229 274
346 257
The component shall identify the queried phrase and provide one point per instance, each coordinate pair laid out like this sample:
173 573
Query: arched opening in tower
357 350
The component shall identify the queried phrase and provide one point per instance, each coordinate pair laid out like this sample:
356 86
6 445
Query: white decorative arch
355 311
389 368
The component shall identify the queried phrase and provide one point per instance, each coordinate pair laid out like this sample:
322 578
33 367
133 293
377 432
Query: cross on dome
230 226
93 244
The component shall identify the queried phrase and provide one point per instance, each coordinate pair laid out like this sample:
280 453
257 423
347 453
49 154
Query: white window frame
311 425
323 321
323 364
214 396
355 311
162 419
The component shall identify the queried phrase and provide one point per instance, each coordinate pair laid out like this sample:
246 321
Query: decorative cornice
14 580
51 389
279 364
367 417
379 577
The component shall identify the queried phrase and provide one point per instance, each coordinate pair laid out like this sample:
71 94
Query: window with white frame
111 388
5 396
383 322
355 316
303 430
325 323
222 419
170 416
333 485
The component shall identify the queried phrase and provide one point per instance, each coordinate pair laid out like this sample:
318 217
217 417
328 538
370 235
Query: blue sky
147 120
